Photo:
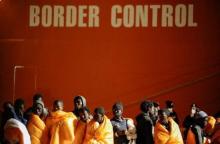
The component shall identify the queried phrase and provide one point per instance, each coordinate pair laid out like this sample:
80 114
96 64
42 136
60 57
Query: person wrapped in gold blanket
80 131
99 130
60 126
35 124
166 130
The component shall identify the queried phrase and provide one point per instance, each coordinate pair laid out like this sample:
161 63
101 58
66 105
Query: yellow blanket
210 125
60 128
35 128
80 132
163 136
99 133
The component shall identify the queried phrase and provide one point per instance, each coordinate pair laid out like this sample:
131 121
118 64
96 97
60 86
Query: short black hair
37 96
81 110
118 106
145 105
169 104
166 111
18 103
193 105
156 104
99 110
57 101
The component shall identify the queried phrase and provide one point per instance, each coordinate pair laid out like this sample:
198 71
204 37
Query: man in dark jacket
145 125
189 120
173 114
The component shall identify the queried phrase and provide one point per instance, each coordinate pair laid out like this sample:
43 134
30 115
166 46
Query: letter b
34 19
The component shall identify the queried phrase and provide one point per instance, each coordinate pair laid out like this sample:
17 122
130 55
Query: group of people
38 125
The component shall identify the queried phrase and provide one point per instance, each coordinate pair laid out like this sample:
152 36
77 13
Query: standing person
60 125
196 133
99 130
37 97
124 129
79 102
189 120
154 116
80 130
35 124
19 110
210 126
8 113
167 130
216 131
173 114
15 132
145 127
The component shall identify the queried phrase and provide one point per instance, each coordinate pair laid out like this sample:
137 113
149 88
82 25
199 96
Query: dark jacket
187 123
144 129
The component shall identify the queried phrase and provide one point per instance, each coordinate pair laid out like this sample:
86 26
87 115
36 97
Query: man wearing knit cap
145 124
124 129
195 134
99 130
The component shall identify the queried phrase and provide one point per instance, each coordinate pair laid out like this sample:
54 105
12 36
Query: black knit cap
99 110
117 106
166 111
81 110
169 104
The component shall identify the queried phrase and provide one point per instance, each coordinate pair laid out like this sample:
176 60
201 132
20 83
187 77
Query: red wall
108 64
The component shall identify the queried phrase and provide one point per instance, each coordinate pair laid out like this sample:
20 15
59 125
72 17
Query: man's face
193 110
117 112
156 109
151 110
84 115
78 103
38 109
98 117
163 118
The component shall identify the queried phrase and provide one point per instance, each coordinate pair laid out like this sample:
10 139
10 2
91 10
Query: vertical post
14 81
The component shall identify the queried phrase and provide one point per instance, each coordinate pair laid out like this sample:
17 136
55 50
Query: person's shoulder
196 129
130 122
140 116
